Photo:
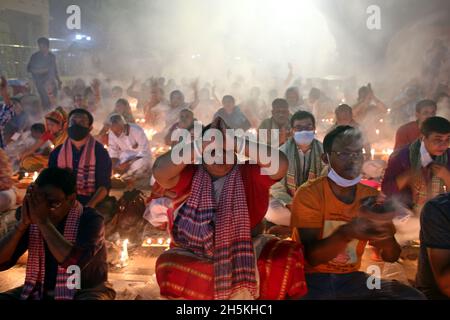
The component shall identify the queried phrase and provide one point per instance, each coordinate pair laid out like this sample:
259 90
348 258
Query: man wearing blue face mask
304 154
328 219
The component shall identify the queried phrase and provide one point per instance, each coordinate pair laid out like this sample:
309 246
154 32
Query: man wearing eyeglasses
64 240
421 171
327 219
304 153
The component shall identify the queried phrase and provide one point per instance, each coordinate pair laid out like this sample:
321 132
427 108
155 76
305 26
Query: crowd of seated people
237 227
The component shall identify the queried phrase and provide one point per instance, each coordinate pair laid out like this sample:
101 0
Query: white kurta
127 147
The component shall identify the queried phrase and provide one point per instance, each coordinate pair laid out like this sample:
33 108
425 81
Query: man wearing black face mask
60 235
86 157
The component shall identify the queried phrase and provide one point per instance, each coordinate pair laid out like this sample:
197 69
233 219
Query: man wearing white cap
128 148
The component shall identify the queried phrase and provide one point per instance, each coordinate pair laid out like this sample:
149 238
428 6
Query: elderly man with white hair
128 148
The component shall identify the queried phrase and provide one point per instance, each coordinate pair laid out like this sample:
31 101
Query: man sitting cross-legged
214 255
129 149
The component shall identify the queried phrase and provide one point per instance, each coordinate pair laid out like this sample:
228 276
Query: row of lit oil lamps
383 154
149 242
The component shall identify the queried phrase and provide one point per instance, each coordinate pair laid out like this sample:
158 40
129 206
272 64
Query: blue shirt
41 61
103 167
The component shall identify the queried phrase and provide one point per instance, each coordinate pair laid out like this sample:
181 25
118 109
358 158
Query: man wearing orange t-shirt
326 219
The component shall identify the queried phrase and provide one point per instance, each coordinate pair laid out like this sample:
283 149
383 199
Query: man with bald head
128 148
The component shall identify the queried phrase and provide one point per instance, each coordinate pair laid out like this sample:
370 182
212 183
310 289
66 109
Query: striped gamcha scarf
426 186
35 273
295 177
220 232
86 167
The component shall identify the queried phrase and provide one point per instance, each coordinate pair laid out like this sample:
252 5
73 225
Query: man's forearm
166 171
98 197
390 250
288 79
57 244
402 181
252 151
322 251
98 96
33 149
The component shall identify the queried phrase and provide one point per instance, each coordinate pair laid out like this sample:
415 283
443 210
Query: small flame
117 176
159 150
252 131
377 131
157 243
35 176
133 104
150 133
124 252
26 174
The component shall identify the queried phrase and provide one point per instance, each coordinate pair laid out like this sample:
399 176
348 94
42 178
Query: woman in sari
56 134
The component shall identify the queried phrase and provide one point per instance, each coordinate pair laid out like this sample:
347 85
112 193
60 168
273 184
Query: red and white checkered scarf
35 273
220 232
86 167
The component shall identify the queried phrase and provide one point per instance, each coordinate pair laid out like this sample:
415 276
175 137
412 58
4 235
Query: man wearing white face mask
304 154
327 219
